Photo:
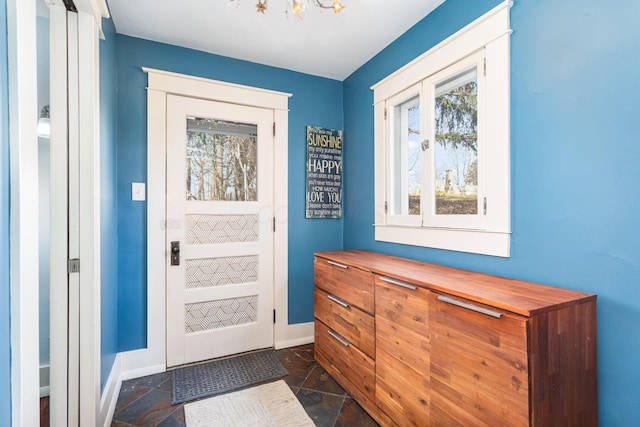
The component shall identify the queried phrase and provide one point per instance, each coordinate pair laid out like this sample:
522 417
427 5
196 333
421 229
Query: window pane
221 160
456 148
405 163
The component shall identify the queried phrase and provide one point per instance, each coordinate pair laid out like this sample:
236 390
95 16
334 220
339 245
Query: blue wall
5 317
109 226
575 149
315 101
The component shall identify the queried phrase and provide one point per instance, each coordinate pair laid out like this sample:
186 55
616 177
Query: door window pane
456 148
405 163
221 160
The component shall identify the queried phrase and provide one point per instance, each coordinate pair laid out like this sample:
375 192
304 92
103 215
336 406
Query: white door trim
153 358
58 357
97 9
23 144
90 241
73 230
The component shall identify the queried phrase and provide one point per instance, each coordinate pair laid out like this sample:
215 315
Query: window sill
471 241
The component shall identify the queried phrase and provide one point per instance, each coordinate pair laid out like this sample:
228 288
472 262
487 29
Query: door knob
175 253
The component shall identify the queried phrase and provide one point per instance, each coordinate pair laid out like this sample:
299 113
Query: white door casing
152 358
23 216
220 296
59 220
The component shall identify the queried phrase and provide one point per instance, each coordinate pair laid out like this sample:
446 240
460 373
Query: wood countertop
516 296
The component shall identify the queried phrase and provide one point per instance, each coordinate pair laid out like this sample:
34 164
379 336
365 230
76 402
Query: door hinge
485 206
385 113
386 207
68 4
485 67
274 129
73 265
274 224
274 316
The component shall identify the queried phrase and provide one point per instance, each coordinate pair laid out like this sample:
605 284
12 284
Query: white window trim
490 32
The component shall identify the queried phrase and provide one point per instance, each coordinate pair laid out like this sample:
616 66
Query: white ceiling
323 43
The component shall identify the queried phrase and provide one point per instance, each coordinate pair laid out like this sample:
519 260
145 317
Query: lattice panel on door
208 272
204 229
208 315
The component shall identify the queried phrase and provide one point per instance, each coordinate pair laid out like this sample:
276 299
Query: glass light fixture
298 6
44 127
337 6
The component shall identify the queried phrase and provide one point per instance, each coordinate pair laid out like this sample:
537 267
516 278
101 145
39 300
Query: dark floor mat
224 375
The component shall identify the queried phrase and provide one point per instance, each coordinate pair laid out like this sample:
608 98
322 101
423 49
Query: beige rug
272 404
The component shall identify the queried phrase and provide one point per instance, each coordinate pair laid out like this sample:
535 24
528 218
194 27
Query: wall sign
324 173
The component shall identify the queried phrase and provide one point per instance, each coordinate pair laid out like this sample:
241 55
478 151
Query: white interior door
219 229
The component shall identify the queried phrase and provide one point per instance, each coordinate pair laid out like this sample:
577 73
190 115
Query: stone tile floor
147 401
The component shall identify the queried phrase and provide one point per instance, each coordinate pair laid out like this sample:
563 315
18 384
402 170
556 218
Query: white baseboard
143 362
44 391
120 373
149 361
110 393
131 364
297 334
44 380
142 372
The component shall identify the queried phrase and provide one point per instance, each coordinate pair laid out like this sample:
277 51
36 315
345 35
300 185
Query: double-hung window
442 144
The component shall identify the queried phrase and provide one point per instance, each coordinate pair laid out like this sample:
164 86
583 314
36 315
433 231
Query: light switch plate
138 191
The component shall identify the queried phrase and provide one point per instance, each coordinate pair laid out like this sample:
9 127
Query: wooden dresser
419 344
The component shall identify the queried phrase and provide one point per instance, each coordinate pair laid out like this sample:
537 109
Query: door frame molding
160 83
23 247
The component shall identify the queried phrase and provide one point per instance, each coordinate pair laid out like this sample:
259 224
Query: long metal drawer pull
399 283
338 338
338 264
338 301
468 306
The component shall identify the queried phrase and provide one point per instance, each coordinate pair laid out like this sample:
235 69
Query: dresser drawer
350 322
342 359
406 305
402 351
345 282
402 391
479 364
